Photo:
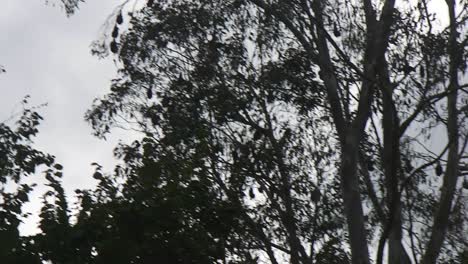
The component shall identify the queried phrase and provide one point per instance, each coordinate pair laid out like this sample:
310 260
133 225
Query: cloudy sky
47 55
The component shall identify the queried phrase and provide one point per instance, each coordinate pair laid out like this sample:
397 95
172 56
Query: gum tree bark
392 167
440 224
350 133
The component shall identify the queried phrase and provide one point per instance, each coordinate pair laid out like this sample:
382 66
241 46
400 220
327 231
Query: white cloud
47 56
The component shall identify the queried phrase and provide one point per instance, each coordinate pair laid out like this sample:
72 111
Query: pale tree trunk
391 165
439 227
349 135
391 157
351 132
352 200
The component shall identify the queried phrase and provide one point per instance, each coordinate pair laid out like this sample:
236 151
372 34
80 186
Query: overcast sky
47 55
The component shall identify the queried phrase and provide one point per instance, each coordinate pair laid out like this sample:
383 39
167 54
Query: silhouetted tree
18 160
264 82
261 138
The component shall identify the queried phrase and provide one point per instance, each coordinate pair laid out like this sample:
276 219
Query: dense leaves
239 95
18 159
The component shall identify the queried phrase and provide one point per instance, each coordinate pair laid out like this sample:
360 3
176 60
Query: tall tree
265 108
455 61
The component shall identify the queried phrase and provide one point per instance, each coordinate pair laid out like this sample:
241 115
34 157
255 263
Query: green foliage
228 94
213 113
18 159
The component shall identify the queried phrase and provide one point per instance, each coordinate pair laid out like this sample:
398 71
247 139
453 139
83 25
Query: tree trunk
352 200
391 166
441 217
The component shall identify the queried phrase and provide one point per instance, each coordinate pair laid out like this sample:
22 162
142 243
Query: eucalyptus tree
250 123
271 104
433 64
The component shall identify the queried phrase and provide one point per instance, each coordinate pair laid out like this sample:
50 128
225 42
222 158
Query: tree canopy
271 132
